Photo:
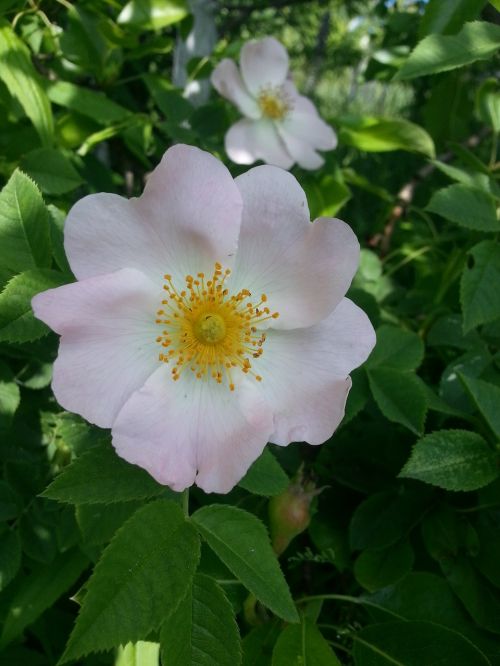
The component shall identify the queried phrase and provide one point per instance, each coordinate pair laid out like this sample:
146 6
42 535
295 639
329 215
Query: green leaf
265 477
153 14
380 135
98 523
258 644
202 630
39 590
22 80
169 100
380 567
413 644
242 543
400 397
396 348
17 322
10 396
467 206
24 226
453 460
448 17
488 103
88 102
51 170
440 53
303 645
479 597
140 579
486 396
9 504
386 517
479 293
10 556
142 653
100 476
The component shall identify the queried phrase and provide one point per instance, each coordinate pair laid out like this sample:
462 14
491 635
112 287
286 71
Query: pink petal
108 347
301 150
251 140
310 128
226 79
305 373
193 431
187 218
304 269
264 63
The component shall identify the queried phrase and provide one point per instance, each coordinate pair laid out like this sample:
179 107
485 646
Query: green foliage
22 80
24 232
113 480
303 645
399 561
478 293
17 323
148 566
202 630
452 459
265 477
242 543
440 53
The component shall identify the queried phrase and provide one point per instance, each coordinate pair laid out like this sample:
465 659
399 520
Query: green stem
185 502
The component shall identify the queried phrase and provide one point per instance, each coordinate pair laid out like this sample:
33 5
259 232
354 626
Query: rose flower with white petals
208 318
280 126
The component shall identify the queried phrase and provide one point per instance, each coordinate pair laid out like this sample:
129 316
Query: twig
405 195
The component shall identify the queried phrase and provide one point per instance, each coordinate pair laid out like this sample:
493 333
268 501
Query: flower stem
185 502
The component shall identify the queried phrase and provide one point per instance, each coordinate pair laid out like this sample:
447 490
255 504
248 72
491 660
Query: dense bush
395 554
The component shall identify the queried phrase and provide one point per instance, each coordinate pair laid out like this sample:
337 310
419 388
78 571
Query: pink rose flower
280 126
208 319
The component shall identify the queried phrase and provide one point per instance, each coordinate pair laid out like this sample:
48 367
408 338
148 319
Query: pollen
274 102
209 331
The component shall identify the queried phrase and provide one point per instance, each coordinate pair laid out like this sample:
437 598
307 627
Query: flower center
208 330
274 102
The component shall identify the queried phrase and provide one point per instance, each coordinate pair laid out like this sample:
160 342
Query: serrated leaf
22 80
17 321
467 206
486 397
202 630
140 579
303 645
265 477
241 541
39 590
100 476
380 135
24 226
448 17
439 53
396 348
98 523
153 14
10 396
413 644
400 396
142 653
10 556
453 460
488 103
479 293
51 170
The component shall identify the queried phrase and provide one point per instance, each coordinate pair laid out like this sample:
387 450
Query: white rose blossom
280 126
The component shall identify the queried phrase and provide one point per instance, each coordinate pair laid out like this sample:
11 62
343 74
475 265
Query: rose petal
187 218
263 63
305 373
108 347
310 128
251 140
304 269
301 150
193 430
226 79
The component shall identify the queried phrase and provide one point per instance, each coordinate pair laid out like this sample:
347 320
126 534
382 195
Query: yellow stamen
274 103
210 331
